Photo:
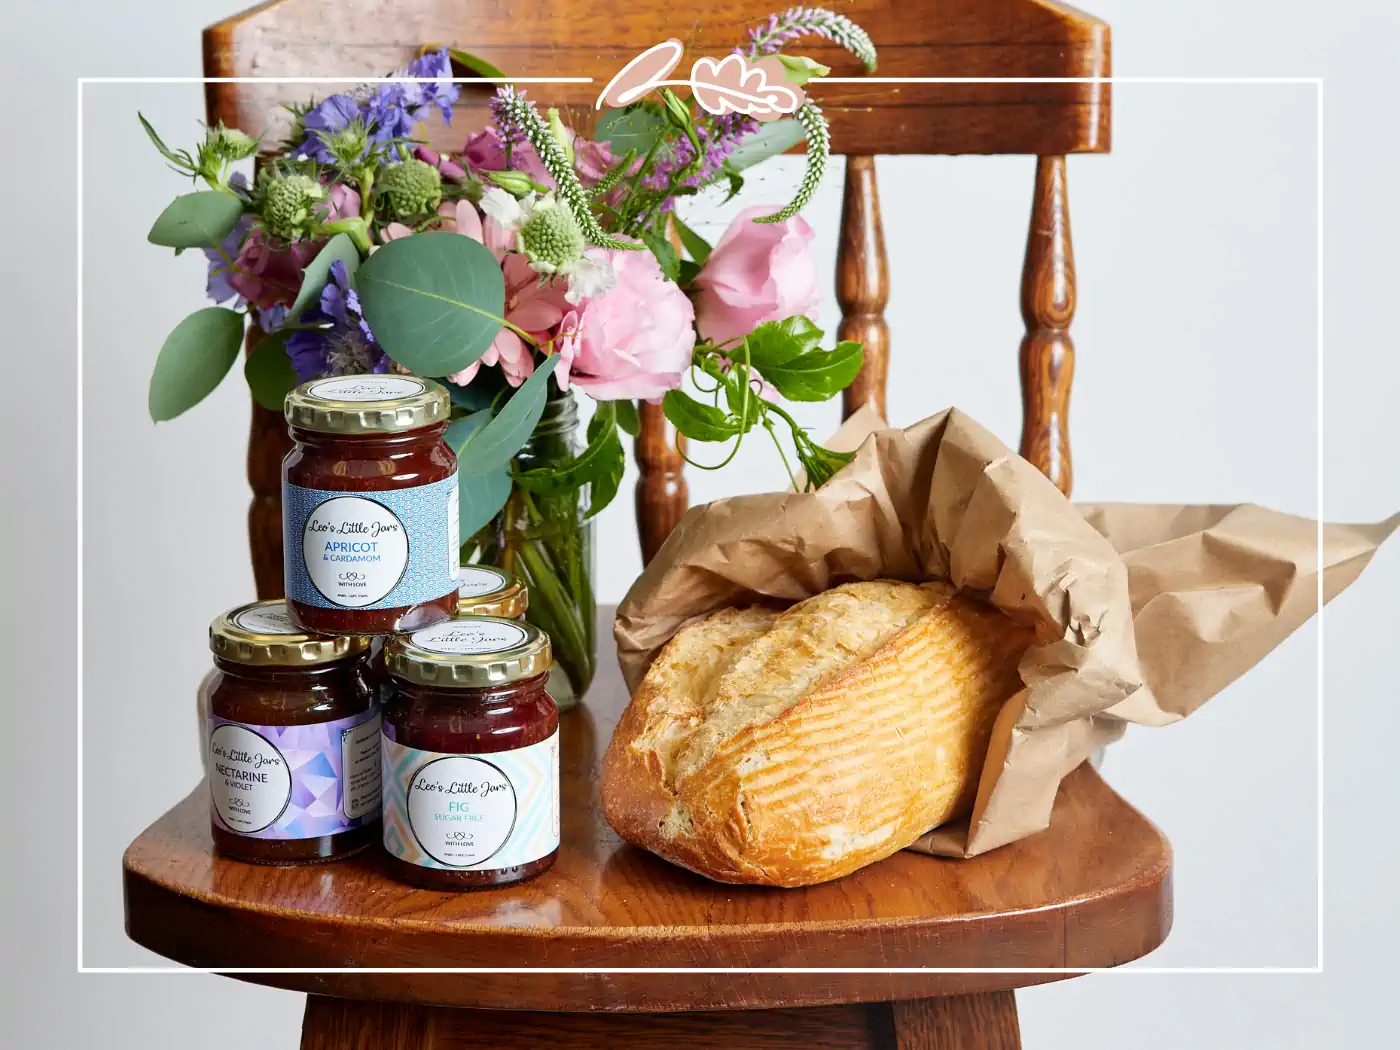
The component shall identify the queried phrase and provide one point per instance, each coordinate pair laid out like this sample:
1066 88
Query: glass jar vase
547 541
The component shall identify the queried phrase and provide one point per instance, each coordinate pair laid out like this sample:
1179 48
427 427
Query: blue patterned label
295 782
370 550
471 811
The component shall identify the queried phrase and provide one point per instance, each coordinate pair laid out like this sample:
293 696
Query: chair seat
1093 890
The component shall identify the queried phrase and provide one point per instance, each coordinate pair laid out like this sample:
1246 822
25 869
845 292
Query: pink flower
592 159
268 273
531 305
486 151
758 272
634 341
446 166
344 203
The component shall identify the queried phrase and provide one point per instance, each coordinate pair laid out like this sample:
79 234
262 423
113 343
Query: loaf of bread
791 748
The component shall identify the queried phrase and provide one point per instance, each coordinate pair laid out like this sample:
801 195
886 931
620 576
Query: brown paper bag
1141 612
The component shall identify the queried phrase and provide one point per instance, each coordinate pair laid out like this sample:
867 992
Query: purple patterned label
295 782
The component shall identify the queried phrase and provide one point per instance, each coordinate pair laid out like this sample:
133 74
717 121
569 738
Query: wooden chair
1092 891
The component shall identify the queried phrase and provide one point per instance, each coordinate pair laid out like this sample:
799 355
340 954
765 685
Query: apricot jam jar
471 756
369 505
293 738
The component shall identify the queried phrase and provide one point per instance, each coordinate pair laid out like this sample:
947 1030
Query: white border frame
1126 968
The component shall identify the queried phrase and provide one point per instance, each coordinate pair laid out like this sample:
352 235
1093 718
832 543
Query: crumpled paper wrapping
1141 612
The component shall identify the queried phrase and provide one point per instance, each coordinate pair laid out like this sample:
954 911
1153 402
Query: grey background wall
1197 254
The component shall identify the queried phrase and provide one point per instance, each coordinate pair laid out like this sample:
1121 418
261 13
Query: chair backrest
1016 43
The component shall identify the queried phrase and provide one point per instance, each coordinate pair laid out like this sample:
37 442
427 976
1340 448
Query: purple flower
341 303
332 114
219 288
307 349
438 65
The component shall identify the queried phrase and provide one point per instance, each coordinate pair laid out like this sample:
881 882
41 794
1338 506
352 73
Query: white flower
590 277
509 213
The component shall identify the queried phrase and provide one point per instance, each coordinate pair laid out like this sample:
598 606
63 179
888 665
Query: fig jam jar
471 756
292 740
369 506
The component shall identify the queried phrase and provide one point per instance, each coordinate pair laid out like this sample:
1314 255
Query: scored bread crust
790 749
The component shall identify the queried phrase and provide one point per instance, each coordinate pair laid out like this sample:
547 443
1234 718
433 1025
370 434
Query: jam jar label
366 388
475 580
373 550
468 637
295 782
488 811
267 619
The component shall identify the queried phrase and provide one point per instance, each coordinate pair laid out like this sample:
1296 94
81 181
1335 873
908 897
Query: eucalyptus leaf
480 498
696 420
434 300
339 248
475 64
637 128
771 139
269 371
698 248
195 357
489 448
460 430
197 220
818 374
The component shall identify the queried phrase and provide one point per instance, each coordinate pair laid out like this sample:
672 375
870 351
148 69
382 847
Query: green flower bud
676 110
288 206
561 134
410 190
551 238
348 145
230 143
516 183
800 69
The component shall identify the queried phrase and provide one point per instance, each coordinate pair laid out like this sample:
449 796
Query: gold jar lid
484 591
369 404
470 652
264 634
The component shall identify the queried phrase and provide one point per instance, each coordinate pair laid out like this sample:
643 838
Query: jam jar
486 591
369 505
471 756
292 740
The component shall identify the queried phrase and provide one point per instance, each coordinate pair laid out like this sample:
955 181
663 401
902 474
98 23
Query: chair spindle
863 284
1047 306
662 495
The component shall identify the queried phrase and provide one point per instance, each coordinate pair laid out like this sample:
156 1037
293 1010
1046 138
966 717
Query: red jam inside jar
292 741
369 506
471 747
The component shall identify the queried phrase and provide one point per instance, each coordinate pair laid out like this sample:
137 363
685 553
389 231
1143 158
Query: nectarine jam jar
471 755
293 738
369 505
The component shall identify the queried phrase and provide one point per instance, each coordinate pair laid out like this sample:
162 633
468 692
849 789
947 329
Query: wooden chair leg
957 1022
963 1022
354 1024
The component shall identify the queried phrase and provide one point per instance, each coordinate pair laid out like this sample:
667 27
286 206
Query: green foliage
600 464
269 371
474 64
696 246
665 254
637 128
697 420
181 160
483 448
785 353
195 357
480 498
197 220
627 420
339 248
800 69
771 139
434 301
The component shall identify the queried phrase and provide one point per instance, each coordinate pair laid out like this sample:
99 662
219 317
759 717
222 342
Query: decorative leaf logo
646 71
732 85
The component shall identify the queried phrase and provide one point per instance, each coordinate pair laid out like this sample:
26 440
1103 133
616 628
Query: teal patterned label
460 812
370 550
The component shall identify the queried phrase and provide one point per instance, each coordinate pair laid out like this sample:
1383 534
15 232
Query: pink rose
758 272
268 274
634 341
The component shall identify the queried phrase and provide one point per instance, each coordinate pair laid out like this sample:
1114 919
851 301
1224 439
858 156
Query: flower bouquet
536 262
